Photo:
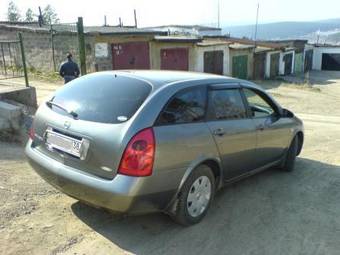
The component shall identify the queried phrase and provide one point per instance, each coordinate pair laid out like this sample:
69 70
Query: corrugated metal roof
239 46
191 39
206 43
196 27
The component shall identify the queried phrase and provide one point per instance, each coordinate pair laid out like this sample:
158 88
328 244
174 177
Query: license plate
63 143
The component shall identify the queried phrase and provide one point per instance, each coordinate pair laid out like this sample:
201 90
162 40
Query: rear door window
105 98
226 104
186 106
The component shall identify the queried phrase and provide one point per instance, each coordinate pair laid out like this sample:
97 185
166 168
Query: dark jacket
69 68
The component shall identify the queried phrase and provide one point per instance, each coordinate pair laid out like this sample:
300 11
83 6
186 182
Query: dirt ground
270 213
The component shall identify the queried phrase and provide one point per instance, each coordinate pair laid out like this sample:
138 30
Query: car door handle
219 132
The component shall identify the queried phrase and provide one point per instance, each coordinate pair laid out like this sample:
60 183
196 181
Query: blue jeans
68 78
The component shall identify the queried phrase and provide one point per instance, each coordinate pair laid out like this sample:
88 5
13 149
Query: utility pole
256 23
218 13
135 15
255 38
40 18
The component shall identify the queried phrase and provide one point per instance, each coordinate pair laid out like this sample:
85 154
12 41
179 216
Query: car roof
160 78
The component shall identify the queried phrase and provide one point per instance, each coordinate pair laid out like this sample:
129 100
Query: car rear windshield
103 97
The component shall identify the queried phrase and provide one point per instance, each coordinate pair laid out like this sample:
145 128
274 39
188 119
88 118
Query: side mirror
287 114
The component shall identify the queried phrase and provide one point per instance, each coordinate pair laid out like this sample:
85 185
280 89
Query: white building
189 30
326 57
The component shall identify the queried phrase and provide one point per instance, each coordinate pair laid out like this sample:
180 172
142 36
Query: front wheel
195 196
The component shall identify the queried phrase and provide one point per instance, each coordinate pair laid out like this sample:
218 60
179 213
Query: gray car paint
179 148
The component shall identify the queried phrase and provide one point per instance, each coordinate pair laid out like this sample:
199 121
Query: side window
258 106
226 104
185 107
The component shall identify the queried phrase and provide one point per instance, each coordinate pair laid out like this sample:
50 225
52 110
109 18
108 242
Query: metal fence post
81 38
23 59
52 46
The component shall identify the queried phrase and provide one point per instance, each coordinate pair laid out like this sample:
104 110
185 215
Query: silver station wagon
145 141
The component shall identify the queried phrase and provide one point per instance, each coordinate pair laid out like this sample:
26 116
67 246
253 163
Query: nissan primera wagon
146 141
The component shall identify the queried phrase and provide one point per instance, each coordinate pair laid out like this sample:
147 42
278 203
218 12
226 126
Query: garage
330 62
174 59
130 55
326 57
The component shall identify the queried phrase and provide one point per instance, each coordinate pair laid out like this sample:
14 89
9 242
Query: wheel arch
300 137
213 163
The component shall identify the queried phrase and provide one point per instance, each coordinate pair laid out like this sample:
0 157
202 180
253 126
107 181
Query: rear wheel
289 161
195 196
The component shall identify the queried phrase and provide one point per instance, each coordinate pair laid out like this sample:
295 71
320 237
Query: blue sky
160 12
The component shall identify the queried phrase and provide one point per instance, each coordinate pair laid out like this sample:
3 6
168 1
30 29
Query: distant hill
287 30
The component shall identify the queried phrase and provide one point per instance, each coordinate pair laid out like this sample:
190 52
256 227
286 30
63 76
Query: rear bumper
123 194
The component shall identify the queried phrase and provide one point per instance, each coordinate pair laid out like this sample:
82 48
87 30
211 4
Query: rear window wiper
72 113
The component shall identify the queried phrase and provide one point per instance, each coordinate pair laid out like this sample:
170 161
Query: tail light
31 132
139 154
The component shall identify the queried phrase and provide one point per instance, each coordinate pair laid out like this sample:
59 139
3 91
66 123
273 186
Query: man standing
69 70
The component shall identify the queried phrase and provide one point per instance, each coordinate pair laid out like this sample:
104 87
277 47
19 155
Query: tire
194 198
289 161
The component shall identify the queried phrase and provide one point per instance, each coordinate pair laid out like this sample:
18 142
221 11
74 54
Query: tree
29 15
13 13
49 15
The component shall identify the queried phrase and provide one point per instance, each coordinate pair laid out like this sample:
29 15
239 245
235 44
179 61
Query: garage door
288 60
131 55
331 62
274 65
213 62
240 67
174 59
308 60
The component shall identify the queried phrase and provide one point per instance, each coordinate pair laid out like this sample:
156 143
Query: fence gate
12 60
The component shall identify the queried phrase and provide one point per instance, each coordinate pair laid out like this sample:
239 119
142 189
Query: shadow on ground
311 78
270 213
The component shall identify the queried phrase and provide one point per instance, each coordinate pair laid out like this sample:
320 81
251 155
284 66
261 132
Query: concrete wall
242 52
38 48
198 61
317 55
26 96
